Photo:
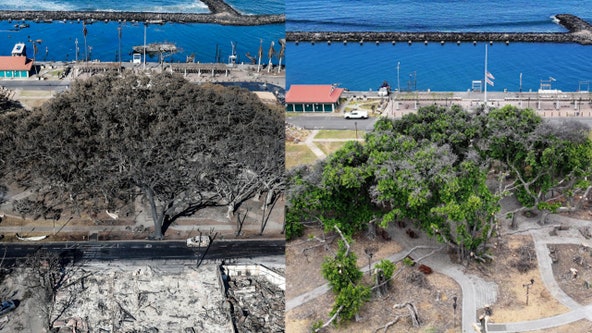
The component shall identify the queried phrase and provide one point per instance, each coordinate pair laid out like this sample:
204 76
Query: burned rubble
255 298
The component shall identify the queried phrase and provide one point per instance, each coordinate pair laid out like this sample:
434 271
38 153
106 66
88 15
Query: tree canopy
438 168
180 145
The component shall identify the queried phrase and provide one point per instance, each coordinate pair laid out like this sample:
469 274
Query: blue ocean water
430 15
439 68
435 67
57 41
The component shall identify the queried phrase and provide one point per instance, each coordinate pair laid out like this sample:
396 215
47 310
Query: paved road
147 250
332 122
30 84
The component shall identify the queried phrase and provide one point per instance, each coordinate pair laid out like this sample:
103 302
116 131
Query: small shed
313 98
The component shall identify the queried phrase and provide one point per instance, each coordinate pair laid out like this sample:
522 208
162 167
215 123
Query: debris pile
296 134
142 299
256 304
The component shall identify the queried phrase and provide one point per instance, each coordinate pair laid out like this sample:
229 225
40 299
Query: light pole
77 49
398 78
370 253
527 286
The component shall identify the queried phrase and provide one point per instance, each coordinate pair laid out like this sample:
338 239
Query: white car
356 114
199 241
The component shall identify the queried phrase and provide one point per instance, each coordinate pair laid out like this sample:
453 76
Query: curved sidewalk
542 239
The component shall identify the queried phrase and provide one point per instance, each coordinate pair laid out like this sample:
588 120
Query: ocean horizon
435 67
60 40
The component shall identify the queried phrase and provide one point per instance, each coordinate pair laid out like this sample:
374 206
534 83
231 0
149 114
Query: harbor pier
578 31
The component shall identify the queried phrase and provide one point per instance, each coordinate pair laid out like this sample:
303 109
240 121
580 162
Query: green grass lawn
298 154
338 134
329 147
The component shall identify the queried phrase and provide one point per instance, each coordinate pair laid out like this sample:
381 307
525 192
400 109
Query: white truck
356 114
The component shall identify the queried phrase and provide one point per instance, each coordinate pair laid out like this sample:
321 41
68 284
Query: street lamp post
527 286
398 79
77 49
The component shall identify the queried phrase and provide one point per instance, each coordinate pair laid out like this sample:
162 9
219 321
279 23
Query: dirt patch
509 273
576 284
433 299
434 306
307 253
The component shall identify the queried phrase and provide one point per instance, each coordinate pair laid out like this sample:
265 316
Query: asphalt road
145 250
29 84
320 122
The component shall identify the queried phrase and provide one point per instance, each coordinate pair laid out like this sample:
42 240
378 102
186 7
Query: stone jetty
220 13
579 31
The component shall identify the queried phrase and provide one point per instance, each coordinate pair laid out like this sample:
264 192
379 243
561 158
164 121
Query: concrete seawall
220 13
579 31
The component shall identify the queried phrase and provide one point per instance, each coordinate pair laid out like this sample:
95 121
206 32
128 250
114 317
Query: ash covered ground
149 296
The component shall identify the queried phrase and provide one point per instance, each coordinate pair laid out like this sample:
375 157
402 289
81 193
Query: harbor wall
220 13
579 31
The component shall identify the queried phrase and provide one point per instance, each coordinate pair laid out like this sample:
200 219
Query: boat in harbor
161 49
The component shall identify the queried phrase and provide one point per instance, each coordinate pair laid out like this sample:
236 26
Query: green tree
387 267
333 192
545 160
349 301
341 270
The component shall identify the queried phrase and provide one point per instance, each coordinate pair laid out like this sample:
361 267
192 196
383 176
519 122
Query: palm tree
85 32
281 54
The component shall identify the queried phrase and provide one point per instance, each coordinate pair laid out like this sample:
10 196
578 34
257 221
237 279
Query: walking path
541 240
476 293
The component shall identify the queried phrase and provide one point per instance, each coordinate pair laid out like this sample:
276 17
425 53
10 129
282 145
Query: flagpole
485 77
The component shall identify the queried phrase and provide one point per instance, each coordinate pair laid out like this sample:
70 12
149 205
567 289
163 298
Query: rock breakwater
579 31
220 13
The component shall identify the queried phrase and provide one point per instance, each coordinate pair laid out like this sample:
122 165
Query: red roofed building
17 65
313 98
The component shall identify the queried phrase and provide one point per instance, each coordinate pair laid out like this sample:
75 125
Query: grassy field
337 134
329 147
298 154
